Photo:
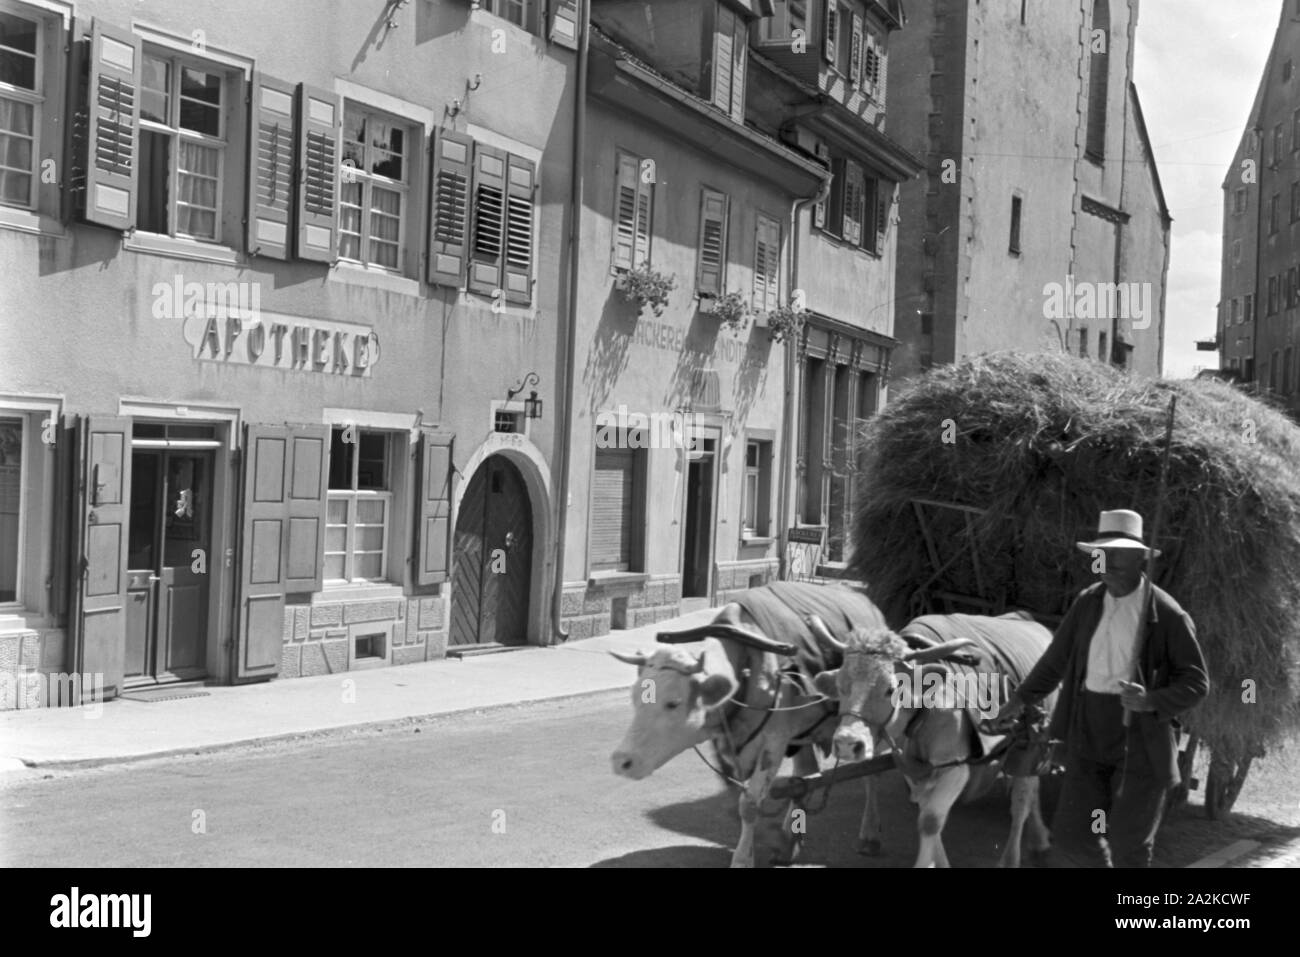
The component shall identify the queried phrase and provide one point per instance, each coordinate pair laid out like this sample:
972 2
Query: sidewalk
227 716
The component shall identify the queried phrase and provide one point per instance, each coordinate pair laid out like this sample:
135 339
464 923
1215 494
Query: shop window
618 507
183 146
360 506
11 505
374 188
758 484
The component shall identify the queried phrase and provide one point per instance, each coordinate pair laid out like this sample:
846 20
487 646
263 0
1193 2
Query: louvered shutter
487 210
448 218
613 500
739 62
519 231
564 25
433 508
723 55
855 51
878 72
644 222
853 202
767 264
819 211
626 208
884 197
830 27
112 131
713 243
318 150
270 173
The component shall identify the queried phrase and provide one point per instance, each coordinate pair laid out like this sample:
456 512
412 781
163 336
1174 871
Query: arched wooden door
493 558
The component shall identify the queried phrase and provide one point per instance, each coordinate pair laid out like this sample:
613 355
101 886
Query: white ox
735 693
936 742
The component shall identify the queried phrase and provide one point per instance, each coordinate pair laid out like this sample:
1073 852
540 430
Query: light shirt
1114 643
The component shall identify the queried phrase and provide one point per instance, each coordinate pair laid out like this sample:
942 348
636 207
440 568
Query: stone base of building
732 578
325 637
590 610
27 657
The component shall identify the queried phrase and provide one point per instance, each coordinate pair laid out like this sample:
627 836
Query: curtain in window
350 221
196 192
385 226
15 151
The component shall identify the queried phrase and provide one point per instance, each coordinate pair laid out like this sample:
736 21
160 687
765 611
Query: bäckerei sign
289 343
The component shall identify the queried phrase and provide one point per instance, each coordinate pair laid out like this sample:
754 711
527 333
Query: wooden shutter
613 500
767 263
644 221
564 25
626 197
819 211
739 62
853 202
306 506
519 230
270 168
713 243
487 244
883 199
262 545
112 133
433 508
830 26
855 51
104 500
723 56
318 151
449 217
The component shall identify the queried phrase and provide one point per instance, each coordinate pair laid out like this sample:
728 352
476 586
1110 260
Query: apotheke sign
289 343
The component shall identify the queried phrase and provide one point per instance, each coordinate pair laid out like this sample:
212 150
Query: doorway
493 558
168 556
697 561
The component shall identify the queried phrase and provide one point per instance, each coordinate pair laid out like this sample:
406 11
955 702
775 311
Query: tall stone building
1259 304
1040 222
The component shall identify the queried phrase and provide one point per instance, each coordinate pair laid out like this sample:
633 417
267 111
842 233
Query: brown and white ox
733 690
936 742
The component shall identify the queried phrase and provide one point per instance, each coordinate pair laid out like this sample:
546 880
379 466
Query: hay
1044 443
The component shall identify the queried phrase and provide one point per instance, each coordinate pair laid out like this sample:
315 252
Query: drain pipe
558 634
787 412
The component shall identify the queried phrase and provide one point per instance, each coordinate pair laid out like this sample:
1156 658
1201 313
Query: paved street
400 797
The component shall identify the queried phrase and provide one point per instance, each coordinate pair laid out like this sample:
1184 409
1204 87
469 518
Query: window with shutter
433 508
112 134
564 24
318 147
271 168
633 206
853 202
819 211
711 272
883 197
450 214
723 55
616 510
835 210
855 52
767 263
487 244
830 27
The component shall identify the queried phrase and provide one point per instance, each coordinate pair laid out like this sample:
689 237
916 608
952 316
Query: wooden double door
168 554
492 558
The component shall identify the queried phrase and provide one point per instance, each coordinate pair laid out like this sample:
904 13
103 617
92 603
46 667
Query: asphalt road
528 786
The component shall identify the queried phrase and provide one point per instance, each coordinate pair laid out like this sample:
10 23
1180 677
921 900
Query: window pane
200 101
370 512
385 226
350 220
155 84
11 474
16 117
340 460
151 208
370 538
337 511
17 51
333 566
15 188
371 471
367 566
336 538
196 200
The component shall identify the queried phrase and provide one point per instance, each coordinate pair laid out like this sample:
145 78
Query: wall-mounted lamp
532 404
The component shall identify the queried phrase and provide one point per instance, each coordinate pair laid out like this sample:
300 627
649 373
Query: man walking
1128 668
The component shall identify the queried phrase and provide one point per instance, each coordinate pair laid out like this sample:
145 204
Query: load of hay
1042 443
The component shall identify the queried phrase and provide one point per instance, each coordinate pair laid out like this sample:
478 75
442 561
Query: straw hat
1119 528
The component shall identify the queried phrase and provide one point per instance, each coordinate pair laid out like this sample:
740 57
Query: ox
742 692
934 740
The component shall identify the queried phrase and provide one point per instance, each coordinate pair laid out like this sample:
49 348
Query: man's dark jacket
1173 672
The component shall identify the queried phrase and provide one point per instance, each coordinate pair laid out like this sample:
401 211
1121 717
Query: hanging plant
646 287
784 322
730 309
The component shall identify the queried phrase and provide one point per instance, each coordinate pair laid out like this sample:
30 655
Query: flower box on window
730 309
646 287
783 322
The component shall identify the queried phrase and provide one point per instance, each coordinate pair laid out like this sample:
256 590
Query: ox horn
638 659
822 633
937 652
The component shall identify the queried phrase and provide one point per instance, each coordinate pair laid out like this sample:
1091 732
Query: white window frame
414 134
36 98
354 496
24 468
528 7
172 129
768 29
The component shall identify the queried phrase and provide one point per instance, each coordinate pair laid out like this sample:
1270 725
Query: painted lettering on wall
289 343
669 338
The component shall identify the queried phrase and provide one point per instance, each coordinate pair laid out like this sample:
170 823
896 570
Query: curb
1223 856
76 764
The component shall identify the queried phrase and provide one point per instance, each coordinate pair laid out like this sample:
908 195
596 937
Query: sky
1197 67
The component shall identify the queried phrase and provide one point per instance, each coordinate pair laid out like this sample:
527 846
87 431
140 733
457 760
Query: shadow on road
682 855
